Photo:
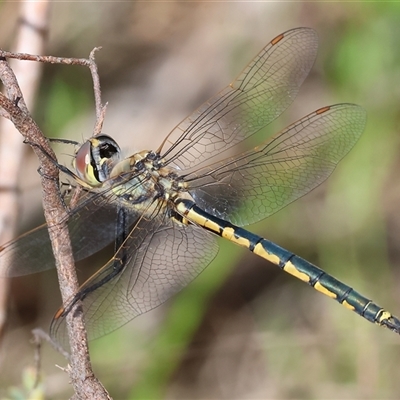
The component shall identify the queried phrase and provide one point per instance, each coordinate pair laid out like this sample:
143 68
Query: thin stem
85 383
86 62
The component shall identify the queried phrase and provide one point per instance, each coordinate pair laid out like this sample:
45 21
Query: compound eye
83 164
105 153
108 147
95 159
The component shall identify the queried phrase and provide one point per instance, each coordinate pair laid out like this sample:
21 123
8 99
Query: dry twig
85 383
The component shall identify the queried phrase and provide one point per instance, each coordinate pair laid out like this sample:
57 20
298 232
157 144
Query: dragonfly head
95 158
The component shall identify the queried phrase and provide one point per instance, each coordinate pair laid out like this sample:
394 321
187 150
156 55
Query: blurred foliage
30 389
63 97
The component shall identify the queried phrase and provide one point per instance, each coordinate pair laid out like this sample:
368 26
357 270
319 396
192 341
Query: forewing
162 257
256 184
261 92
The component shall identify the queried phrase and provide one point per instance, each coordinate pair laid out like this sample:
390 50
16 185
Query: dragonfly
164 209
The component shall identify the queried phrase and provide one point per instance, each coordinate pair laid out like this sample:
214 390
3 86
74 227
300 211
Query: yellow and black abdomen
292 264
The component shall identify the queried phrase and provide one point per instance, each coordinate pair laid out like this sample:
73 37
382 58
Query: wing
256 184
261 92
164 256
91 225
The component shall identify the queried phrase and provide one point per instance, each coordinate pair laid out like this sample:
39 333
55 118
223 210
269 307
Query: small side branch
85 62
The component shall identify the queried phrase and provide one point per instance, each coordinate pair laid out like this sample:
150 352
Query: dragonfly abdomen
292 264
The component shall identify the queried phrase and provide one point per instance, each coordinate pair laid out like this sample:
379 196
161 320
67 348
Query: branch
85 383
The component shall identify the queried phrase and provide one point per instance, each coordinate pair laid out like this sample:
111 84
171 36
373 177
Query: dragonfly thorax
141 181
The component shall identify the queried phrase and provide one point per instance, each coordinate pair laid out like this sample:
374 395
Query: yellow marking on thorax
122 167
260 251
229 233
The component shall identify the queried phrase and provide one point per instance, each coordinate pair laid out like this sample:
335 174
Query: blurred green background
243 329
